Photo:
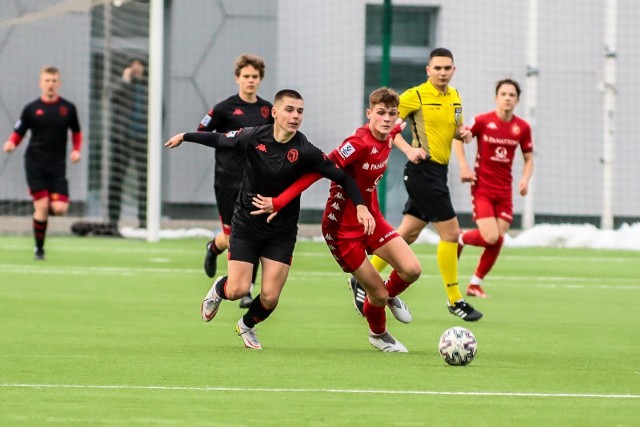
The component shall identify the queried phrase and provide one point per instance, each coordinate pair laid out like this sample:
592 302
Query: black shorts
429 196
49 178
226 199
252 238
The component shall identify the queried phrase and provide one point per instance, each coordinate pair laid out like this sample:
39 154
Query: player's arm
76 137
209 139
19 131
466 173
527 172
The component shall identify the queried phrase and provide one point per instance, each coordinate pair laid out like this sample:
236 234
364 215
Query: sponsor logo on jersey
292 155
264 111
492 125
261 147
205 120
39 112
374 150
346 150
365 166
238 112
500 155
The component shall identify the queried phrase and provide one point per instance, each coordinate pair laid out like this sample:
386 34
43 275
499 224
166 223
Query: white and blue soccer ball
458 346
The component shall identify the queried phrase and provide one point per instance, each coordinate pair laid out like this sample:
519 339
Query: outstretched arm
209 139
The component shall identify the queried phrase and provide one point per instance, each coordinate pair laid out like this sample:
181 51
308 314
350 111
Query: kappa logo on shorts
346 150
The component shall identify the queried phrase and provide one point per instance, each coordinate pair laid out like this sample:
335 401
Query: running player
245 109
364 156
277 155
498 133
50 117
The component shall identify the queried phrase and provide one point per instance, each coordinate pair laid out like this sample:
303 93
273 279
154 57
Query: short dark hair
386 96
50 69
286 93
247 59
440 51
508 82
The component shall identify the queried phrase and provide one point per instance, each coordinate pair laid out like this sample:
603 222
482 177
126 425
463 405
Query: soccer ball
458 346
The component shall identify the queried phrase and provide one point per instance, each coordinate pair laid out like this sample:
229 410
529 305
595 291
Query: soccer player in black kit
244 109
49 118
277 156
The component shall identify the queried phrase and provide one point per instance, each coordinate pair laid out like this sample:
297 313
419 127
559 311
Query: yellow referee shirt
434 118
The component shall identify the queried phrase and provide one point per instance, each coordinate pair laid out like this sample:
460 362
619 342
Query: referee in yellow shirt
433 111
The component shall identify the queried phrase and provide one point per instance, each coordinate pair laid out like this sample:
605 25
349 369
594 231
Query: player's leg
374 308
225 198
40 222
409 230
488 259
406 270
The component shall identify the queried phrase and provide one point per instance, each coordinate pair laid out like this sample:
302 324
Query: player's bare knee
411 274
269 302
58 210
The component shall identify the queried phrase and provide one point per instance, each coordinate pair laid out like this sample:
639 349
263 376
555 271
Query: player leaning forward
364 156
277 156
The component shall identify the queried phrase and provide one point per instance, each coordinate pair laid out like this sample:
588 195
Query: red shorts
350 253
492 207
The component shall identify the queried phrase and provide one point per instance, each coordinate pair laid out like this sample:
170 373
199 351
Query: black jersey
49 123
232 114
272 167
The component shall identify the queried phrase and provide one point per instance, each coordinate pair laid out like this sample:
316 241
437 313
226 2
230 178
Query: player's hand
465 134
126 74
75 156
365 218
264 205
416 155
9 146
399 126
467 175
524 187
175 140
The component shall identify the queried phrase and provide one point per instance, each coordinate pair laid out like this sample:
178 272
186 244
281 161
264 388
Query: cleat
210 261
399 310
211 302
465 311
476 291
359 295
246 301
386 343
248 335
38 254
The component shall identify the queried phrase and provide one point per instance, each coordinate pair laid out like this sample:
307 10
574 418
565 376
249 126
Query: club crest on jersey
292 155
346 150
264 111
515 130
63 111
205 120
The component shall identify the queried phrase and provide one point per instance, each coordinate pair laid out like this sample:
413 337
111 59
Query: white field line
551 281
320 390
150 250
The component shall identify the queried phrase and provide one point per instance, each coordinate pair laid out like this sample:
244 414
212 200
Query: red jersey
365 159
497 143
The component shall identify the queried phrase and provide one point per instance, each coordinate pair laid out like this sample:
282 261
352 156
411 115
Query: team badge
265 112
292 155
515 130
63 111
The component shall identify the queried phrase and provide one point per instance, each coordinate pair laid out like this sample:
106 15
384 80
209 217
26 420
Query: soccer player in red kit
364 156
498 133
50 117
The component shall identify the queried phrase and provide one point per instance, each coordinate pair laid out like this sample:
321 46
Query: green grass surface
108 332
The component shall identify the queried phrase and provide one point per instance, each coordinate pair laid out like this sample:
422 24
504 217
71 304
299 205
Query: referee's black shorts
429 196
252 237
